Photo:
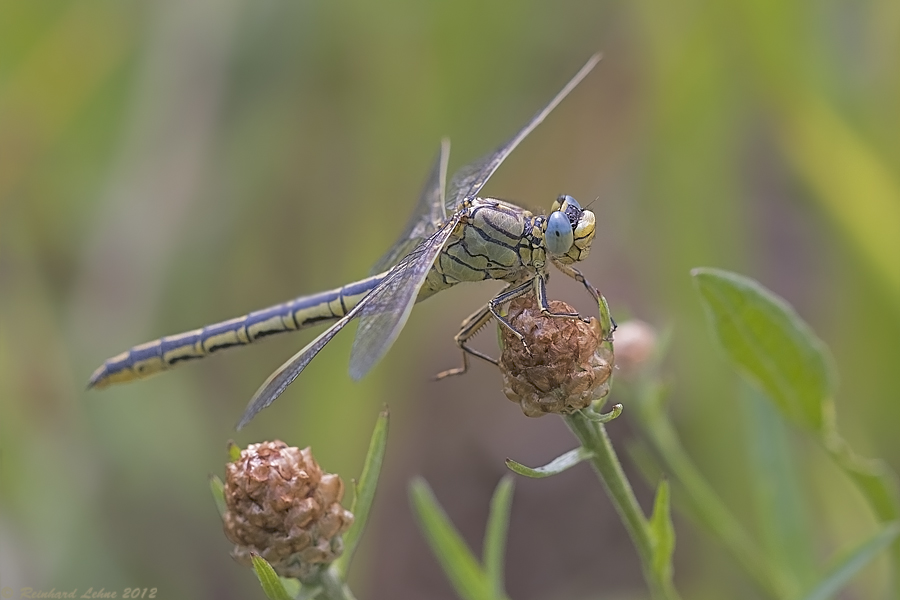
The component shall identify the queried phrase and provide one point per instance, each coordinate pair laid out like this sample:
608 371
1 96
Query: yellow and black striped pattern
152 357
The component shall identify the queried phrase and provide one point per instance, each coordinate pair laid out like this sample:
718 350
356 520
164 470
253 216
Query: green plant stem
593 437
703 503
708 508
332 586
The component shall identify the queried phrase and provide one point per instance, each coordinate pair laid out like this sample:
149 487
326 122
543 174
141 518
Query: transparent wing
468 181
427 217
384 312
288 372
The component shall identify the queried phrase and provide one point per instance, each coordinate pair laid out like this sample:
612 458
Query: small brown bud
636 342
565 367
281 505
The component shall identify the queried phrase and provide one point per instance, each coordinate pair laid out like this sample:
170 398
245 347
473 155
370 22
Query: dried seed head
282 506
636 342
567 367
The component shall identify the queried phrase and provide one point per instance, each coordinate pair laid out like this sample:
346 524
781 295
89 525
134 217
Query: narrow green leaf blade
218 491
365 491
844 570
872 476
306 592
495 535
770 344
604 418
459 564
268 579
662 532
554 467
234 451
605 317
293 587
782 509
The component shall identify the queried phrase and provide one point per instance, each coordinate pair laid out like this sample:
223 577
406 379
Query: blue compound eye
559 234
570 201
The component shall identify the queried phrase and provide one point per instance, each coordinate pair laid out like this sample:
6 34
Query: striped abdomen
159 355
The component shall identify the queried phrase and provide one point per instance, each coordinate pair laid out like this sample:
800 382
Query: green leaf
843 571
554 467
292 587
495 534
781 507
268 579
770 344
662 533
306 592
873 477
365 491
605 318
456 559
598 417
218 491
234 451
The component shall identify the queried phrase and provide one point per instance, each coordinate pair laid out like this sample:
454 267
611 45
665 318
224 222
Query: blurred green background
168 164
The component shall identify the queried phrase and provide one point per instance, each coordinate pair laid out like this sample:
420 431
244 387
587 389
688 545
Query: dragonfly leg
510 293
580 278
540 290
479 319
577 276
471 326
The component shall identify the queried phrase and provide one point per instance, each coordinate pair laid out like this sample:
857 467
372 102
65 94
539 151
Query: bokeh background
168 164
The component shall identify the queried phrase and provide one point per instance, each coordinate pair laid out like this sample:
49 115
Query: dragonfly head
570 230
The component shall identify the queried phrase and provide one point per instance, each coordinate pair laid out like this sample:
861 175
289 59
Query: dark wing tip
257 403
97 380
251 411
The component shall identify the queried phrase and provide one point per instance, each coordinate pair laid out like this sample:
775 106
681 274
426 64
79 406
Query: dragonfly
453 236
